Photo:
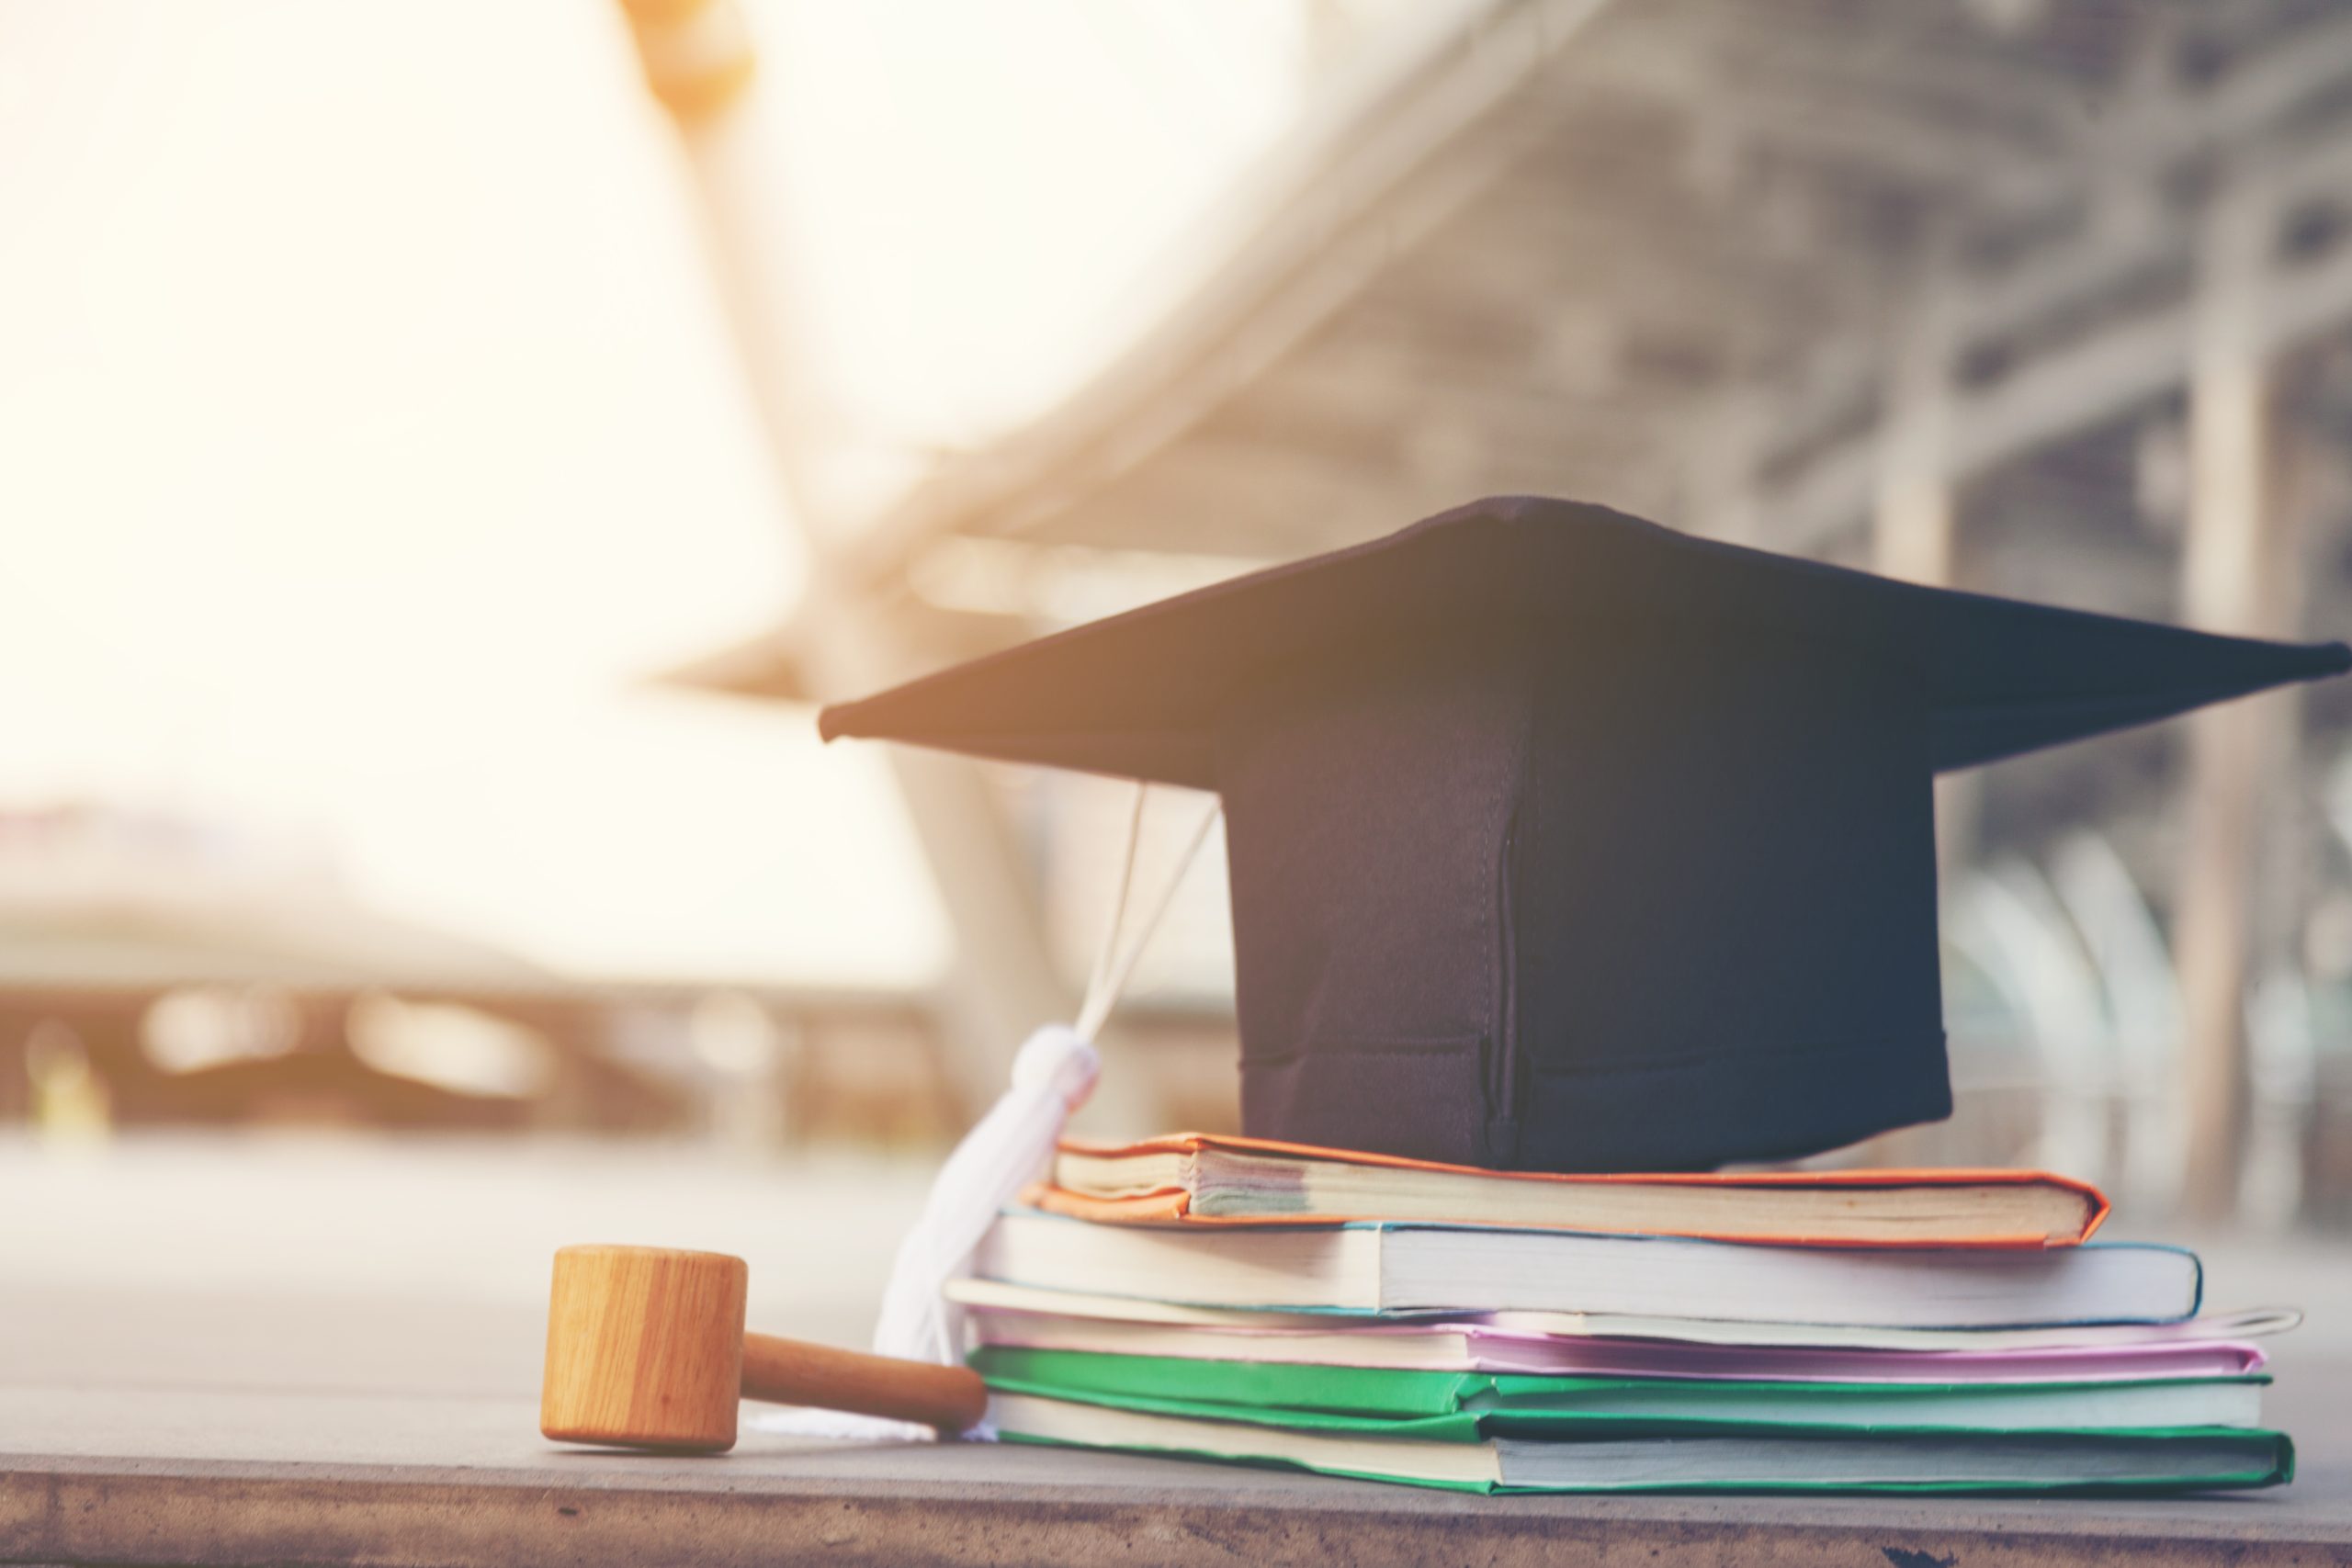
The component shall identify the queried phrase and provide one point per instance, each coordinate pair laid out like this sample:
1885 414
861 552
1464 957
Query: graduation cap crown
1561 840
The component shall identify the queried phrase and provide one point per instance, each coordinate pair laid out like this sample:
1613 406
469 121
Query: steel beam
1002 980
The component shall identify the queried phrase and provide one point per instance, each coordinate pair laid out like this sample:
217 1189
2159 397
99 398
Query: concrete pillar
2238 575
1914 518
1722 465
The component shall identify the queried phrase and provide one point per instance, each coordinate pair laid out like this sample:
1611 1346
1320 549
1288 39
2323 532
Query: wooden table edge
71 1509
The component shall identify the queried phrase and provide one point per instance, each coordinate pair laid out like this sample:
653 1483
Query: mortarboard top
1560 841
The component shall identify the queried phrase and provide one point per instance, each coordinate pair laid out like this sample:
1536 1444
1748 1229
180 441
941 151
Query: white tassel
1010 1147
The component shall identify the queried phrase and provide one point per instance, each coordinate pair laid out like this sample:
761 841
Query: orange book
1196 1178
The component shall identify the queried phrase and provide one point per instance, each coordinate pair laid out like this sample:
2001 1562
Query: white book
994 1297
1389 1268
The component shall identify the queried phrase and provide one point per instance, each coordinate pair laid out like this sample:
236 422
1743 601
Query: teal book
1787 1459
1485 1432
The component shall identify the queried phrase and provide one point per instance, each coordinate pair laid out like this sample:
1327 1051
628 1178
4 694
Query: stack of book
1370 1317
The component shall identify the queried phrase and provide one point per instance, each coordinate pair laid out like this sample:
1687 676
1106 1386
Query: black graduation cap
1560 841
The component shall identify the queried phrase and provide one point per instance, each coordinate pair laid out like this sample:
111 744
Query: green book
1568 1405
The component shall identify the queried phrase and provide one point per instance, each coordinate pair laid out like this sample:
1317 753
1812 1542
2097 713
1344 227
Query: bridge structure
2049 298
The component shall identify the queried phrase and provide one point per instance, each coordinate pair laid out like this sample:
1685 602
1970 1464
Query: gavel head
645 1349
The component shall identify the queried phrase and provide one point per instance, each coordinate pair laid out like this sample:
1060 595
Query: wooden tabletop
116 1458
211 1477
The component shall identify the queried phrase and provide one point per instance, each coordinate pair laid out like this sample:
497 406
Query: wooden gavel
645 1350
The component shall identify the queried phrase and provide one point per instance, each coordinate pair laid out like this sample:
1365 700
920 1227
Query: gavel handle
790 1372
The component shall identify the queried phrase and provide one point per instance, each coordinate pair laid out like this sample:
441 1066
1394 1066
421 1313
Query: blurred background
446 451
